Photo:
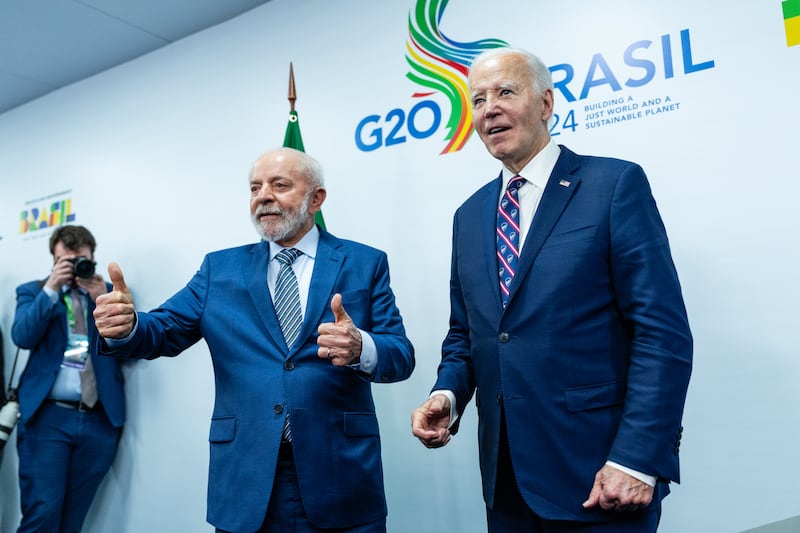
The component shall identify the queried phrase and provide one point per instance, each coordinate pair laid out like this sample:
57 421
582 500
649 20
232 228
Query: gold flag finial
292 92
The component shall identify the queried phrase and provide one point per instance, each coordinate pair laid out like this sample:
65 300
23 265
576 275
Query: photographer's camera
83 267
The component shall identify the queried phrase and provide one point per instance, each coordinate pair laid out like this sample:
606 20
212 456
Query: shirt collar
538 169
308 244
66 289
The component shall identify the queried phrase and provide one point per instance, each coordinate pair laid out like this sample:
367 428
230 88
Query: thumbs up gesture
339 341
115 314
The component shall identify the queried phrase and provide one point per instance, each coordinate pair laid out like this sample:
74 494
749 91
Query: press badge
77 351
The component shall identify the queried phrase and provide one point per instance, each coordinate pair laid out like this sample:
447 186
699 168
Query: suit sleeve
455 371
32 316
651 305
170 328
395 352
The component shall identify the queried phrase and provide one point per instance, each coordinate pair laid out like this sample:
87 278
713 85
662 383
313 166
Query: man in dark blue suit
567 323
294 434
72 403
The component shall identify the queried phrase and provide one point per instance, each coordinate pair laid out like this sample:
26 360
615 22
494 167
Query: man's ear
317 199
547 105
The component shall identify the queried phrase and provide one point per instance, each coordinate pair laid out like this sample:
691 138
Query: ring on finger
329 353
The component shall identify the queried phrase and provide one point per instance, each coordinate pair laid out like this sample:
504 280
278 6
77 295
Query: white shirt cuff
644 478
369 354
453 410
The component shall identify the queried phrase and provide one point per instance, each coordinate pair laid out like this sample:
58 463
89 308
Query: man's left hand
339 341
614 490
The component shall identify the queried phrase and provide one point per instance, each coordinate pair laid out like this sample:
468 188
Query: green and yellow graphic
791 21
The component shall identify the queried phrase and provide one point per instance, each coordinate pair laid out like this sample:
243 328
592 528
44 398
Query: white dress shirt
536 174
67 386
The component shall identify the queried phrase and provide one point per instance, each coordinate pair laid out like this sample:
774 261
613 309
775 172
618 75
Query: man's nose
264 195
490 107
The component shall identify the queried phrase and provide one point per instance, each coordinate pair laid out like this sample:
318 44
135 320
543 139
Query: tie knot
515 183
288 255
76 294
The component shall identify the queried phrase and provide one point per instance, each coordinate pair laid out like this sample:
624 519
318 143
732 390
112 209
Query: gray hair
541 80
310 168
307 165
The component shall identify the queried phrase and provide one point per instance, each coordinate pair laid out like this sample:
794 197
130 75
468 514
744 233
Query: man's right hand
430 421
115 314
62 273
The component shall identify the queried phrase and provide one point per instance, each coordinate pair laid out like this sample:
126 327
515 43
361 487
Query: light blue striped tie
287 296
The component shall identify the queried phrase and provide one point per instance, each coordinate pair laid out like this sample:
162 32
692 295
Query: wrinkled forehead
498 72
274 166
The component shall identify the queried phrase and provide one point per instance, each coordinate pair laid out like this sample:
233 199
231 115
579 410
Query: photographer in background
72 404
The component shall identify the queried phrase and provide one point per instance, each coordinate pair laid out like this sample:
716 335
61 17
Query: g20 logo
643 62
376 131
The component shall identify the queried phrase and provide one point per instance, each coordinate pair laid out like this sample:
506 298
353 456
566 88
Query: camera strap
12 391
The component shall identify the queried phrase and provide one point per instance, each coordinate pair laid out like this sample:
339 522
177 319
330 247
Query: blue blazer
591 359
258 380
41 327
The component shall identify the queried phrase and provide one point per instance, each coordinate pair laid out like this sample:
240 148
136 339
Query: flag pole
292 90
292 138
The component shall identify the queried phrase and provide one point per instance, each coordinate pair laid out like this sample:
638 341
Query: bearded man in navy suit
294 443
579 351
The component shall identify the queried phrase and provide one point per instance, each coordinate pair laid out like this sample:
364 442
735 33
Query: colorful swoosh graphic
791 21
442 64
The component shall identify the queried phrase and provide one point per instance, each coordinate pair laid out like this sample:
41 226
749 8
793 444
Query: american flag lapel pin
564 183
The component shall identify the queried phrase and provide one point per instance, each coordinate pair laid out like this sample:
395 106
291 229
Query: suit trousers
286 514
512 515
64 454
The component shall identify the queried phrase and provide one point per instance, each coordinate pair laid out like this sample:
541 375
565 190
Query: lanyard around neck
70 312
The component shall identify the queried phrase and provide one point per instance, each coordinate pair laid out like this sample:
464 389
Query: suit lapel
61 314
489 226
255 276
561 185
327 264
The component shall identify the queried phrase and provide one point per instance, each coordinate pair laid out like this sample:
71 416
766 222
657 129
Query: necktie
287 306
508 235
287 296
88 381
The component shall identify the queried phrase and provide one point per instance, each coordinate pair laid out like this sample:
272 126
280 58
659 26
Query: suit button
499 398
288 365
278 409
503 337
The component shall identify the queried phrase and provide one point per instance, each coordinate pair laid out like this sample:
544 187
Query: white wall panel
153 156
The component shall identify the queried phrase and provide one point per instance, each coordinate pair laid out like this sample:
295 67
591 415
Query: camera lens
83 267
9 414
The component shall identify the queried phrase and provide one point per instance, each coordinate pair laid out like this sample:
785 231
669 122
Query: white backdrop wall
153 157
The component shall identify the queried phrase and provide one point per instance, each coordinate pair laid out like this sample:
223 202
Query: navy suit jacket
258 380
41 327
591 359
